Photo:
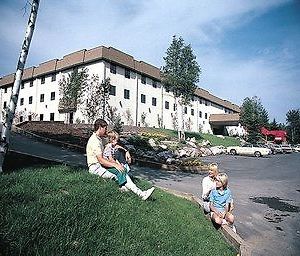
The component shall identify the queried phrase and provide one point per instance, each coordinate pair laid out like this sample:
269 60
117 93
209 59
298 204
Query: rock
193 140
165 155
163 146
152 143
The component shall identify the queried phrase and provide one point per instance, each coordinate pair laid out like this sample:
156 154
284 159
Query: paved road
266 193
37 148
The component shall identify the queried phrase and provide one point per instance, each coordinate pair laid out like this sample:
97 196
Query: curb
233 238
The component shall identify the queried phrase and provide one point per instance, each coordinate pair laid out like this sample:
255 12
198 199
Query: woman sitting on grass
208 184
220 201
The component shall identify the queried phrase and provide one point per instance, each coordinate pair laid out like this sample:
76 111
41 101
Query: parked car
248 149
217 150
286 148
296 148
275 148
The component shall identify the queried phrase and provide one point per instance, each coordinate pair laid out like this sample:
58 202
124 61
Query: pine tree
253 117
180 76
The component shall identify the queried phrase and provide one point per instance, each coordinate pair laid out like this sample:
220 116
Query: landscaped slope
62 211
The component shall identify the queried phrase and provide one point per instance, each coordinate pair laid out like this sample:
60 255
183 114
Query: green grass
63 211
213 139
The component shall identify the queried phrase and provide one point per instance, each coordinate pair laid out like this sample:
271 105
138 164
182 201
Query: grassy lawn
213 139
65 211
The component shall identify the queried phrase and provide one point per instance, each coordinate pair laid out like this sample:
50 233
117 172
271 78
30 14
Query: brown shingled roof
71 60
121 58
215 118
28 73
6 80
206 95
45 68
110 54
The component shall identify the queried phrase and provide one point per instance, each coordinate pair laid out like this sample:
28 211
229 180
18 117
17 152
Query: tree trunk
10 112
180 118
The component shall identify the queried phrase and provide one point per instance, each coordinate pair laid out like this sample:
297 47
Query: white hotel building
136 91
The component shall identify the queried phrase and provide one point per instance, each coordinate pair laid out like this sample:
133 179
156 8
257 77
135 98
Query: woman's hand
119 167
128 157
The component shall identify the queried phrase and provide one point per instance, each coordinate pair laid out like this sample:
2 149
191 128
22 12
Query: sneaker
233 228
123 189
147 193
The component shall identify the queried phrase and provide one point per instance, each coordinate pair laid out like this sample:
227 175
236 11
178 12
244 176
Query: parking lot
267 197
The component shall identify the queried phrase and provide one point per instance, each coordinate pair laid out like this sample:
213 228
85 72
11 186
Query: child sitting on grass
114 152
220 200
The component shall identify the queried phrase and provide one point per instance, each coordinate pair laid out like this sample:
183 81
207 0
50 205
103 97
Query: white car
296 148
249 150
286 148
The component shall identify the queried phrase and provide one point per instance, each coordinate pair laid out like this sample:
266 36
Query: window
42 97
112 90
51 116
192 111
200 114
127 73
21 101
31 83
126 94
30 118
4 104
167 105
5 90
185 110
113 68
30 100
153 101
43 79
154 84
21 119
205 115
143 98
206 103
143 80
41 117
53 77
52 96
22 85
174 107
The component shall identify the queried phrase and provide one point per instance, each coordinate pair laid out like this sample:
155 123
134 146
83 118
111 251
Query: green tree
71 88
293 125
115 119
253 117
274 125
180 76
94 98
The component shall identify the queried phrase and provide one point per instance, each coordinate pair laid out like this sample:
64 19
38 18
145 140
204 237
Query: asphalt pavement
266 191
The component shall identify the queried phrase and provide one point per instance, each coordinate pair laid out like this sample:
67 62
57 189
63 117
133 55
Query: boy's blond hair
112 135
213 168
223 179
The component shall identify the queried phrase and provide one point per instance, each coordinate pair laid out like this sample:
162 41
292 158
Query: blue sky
245 48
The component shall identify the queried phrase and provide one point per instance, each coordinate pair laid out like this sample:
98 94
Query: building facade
136 92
